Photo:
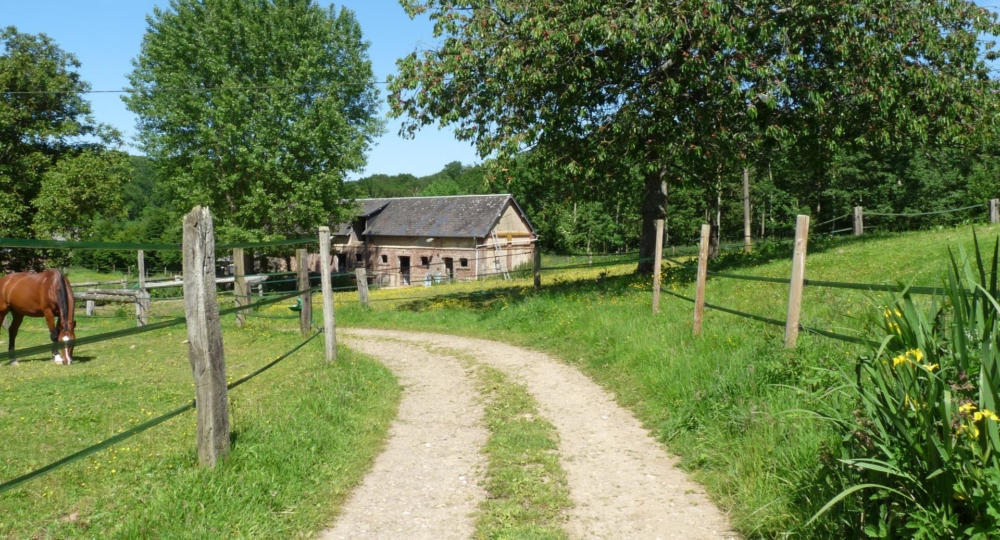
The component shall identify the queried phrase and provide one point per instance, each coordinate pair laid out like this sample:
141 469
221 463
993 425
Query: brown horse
46 294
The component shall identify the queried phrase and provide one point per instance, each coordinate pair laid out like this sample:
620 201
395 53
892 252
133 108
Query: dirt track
425 485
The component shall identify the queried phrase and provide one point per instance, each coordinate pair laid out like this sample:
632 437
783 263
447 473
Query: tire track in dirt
622 482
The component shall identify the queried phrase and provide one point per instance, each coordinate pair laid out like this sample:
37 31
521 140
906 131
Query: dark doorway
404 270
341 263
449 267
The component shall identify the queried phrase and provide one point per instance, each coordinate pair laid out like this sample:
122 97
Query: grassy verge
526 487
304 433
724 402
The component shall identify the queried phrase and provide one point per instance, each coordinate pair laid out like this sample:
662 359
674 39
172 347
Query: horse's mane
62 298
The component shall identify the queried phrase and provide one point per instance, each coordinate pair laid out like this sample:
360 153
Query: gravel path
425 485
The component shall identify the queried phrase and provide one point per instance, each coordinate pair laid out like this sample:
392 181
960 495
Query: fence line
132 246
11 484
936 212
107 336
776 322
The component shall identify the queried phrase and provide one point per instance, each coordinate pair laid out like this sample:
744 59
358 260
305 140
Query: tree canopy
59 169
625 90
255 108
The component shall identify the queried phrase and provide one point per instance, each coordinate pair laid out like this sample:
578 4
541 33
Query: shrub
919 457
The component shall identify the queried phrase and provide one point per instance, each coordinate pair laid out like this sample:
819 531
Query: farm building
410 240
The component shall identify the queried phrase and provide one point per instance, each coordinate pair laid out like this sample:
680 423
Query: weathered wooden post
994 210
747 240
859 221
306 313
362 286
537 256
329 320
240 291
141 300
90 303
205 350
699 292
796 283
657 264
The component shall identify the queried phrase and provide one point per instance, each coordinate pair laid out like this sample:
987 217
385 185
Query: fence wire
11 484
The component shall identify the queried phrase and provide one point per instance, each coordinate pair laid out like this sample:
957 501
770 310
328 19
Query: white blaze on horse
45 294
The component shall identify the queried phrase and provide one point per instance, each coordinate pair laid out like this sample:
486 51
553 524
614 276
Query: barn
418 240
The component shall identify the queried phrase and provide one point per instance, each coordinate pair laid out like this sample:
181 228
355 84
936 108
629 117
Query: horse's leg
15 323
50 320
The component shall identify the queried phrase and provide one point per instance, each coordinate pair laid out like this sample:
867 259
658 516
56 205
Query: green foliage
612 92
453 179
288 108
58 174
920 454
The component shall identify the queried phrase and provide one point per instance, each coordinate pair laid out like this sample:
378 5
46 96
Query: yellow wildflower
901 359
973 430
917 354
967 408
932 367
985 413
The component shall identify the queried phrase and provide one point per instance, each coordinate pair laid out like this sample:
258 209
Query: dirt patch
623 484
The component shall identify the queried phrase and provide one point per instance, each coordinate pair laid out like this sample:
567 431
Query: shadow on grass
484 301
48 358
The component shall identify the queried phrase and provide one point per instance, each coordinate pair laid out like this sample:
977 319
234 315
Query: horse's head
67 333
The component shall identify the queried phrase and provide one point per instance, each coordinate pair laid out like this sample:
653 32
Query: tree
662 89
256 108
59 170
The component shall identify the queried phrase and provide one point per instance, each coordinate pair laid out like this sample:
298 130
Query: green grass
724 402
303 435
527 495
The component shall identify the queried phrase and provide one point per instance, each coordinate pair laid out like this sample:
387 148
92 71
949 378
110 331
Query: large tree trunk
654 207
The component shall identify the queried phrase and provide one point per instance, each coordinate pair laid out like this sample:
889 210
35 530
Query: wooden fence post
798 275
329 320
537 256
141 302
90 303
994 210
699 293
362 286
240 286
747 240
205 350
657 266
859 221
306 313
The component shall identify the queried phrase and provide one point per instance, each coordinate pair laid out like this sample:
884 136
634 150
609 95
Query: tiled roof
459 216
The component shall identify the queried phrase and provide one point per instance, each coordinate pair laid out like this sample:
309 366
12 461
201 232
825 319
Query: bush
919 457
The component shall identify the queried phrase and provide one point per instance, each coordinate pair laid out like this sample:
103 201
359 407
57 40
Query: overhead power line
193 89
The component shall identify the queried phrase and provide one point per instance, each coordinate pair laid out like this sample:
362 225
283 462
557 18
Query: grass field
725 402
303 434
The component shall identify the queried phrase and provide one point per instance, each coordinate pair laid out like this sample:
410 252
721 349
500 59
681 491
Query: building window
358 257
464 263
385 259
425 262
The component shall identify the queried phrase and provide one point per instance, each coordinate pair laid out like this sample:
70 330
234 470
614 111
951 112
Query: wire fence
76 456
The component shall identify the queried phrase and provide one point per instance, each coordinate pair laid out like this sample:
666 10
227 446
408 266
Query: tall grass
919 457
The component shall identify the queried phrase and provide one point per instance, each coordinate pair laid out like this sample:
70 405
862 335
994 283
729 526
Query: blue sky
105 35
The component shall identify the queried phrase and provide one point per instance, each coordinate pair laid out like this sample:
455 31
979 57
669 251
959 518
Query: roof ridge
435 197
